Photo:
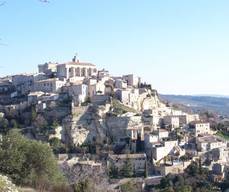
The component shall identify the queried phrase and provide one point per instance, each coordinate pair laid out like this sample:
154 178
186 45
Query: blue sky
180 47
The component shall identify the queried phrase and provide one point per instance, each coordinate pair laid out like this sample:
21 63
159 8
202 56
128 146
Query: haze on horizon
180 47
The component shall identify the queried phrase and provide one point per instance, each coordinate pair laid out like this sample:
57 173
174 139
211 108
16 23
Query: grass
120 108
223 135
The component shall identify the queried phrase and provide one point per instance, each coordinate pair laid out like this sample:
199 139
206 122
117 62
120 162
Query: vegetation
84 186
195 178
28 162
127 170
113 172
224 135
57 145
129 186
119 108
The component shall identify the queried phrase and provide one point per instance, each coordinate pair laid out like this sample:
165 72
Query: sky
180 47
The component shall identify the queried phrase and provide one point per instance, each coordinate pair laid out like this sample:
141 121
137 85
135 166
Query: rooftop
208 139
78 63
128 156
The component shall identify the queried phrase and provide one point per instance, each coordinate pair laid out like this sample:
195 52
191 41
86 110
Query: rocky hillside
106 122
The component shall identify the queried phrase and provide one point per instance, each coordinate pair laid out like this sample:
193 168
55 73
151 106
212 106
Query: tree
33 114
113 171
13 123
28 162
83 186
193 169
127 170
164 183
4 125
185 188
56 145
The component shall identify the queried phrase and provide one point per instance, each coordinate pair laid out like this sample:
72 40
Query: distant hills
216 103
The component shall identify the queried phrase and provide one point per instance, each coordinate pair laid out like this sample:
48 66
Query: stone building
78 92
47 68
209 142
200 128
172 122
49 85
23 83
137 162
76 69
6 87
132 80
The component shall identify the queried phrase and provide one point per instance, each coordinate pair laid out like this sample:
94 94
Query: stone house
171 121
23 83
47 68
49 85
132 80
164 148
200 128
137 162
78 92
209 142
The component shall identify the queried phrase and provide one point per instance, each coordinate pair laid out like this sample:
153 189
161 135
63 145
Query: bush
28 162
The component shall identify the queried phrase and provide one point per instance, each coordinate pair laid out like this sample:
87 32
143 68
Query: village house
6 88
23 83
218 155
151 119
132 80
137 162
33 97
95 87
171 122
150 139
209 142
103 73
173 168
192 118
162 149
128 96
49 85
78 92
47 68
120 84
200 128
79 167
219 172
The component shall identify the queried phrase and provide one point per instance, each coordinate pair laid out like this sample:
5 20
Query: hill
219 105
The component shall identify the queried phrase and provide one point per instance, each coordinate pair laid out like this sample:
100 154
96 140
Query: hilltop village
114 129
